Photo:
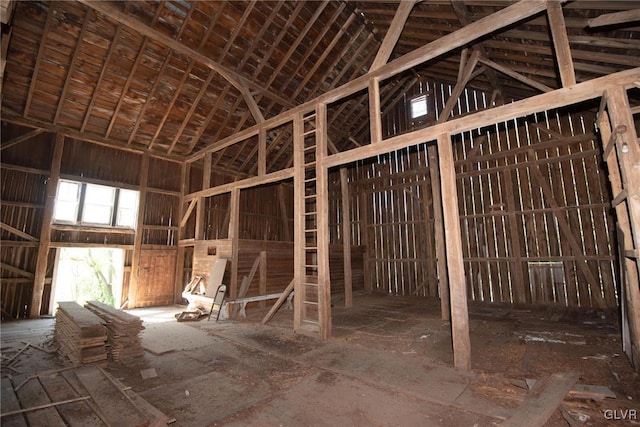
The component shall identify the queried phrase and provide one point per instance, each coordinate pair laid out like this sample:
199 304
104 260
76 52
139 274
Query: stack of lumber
123 342
80 333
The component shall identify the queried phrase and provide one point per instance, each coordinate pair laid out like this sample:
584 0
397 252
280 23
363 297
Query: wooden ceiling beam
464 78
558 28
24 137
393 34
520 77
169 107
41 51
192 110
72 66
235 79
615 18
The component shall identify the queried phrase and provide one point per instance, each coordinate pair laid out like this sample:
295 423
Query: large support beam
24 137
137 243
346 238
393 34
561 43
436 196
200 210
322 200
45 230
234 236
298 220
455 266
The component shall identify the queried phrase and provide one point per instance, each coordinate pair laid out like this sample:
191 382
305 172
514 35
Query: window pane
127 208
98 204
67 199
419 106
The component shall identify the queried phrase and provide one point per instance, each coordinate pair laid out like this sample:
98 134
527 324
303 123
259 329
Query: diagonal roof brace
232 77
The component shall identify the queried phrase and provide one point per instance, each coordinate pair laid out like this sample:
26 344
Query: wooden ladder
622 155
311 240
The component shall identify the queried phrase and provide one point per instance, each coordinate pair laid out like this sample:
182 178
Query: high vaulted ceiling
173 77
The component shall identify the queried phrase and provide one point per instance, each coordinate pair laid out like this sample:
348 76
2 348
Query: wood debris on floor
123 329
77 396
80 333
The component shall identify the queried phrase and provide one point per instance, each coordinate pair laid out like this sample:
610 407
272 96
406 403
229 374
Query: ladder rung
309 180
309 132
313 322
311 196
311 230
310 163
310 266
310 302
620 197
310 248
310 116
310 213
311 147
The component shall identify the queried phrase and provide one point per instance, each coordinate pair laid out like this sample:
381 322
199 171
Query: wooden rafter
393 34
169 106
561 43
616 18
462 12
24 137
16 270
236 80
520 77
41 51
465 76
112 48
192 110
72 66
207 121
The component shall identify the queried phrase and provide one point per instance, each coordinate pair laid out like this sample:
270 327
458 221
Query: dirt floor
389 363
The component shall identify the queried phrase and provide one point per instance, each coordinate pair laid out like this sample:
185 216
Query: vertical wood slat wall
515 240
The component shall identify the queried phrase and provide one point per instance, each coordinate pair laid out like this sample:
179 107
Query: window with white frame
419 107
92 204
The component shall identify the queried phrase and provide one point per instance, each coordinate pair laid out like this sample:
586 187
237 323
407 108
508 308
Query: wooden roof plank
232 77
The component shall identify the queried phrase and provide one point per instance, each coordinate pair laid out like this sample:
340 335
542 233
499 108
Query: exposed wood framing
298 219
440 249
393 34
24 137
455 266
614 18
346 237
465 76
561 43
137 243
200 211
234 232
17 232
45 230
237 81
520 77
375 119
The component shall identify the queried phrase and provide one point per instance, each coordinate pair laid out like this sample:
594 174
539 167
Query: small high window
92 204
419 107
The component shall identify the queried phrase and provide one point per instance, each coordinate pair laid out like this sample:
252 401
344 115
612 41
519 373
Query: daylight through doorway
89 274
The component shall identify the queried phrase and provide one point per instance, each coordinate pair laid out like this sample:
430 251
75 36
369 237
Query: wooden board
76 413
32 394
115 406
9 404
542 400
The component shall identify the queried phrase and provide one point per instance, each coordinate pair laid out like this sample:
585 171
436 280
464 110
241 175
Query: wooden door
156 278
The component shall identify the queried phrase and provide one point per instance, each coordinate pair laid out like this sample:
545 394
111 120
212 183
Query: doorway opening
88 274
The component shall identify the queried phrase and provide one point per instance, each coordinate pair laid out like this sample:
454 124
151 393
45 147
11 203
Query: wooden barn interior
377 163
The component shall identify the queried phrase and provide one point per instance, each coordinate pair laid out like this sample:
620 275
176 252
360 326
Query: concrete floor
389 364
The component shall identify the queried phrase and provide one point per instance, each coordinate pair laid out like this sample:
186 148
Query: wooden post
365 219
137 243
455 266
184 189
45 230
518 288
322 200
262 151
234 231
298 220
200 212
346 238
263 277
443 278
375 117
628 152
